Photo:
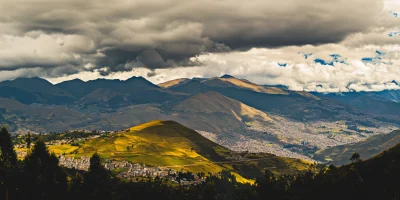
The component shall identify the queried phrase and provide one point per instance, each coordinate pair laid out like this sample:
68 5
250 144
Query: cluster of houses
131 171
138 170
82 163
134 171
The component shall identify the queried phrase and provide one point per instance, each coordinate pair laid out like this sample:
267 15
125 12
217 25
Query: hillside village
131 171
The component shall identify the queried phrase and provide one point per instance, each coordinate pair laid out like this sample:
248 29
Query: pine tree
28 141
97 181
8 156
44 178
8 164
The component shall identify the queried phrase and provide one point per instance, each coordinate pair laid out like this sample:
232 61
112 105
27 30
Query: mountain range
233 112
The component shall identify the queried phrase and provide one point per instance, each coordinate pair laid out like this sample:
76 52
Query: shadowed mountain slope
385 102
34 90
374 145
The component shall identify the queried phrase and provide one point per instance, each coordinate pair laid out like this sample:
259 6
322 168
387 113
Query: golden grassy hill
159 143
172 83
170 144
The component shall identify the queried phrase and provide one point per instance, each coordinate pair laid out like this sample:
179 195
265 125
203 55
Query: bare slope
173 83
211 102
214 112
244 84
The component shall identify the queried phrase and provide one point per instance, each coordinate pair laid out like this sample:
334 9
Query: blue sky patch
394 33
336 58
395 14
323 62
306 55
380 53
377 59
367 60
282 64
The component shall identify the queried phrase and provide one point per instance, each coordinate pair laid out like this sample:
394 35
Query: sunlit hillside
169 144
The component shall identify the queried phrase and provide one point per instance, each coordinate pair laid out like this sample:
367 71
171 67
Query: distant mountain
173 83
34 90
100 92
230 81
383 102
117 93
211 111
81 89
296 105
374 145
210 102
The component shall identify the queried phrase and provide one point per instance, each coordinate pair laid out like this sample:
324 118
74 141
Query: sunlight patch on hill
254 87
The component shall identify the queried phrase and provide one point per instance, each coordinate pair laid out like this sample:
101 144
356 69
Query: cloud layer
258 40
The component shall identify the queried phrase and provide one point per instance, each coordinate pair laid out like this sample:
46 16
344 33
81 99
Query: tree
355 157
28 141
97 182
43 177
8 156
8 164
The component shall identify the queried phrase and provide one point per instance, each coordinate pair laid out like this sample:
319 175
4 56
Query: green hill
340 155
170 144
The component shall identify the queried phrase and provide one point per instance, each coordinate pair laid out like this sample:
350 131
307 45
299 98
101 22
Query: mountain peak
227 76
136 78
25 79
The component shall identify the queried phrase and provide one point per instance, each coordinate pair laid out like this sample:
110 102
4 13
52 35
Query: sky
312 45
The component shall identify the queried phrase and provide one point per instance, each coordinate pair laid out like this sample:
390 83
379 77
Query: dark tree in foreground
43 177
8 165
97 181
8 156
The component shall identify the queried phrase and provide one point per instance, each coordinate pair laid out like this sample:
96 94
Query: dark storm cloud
120 35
